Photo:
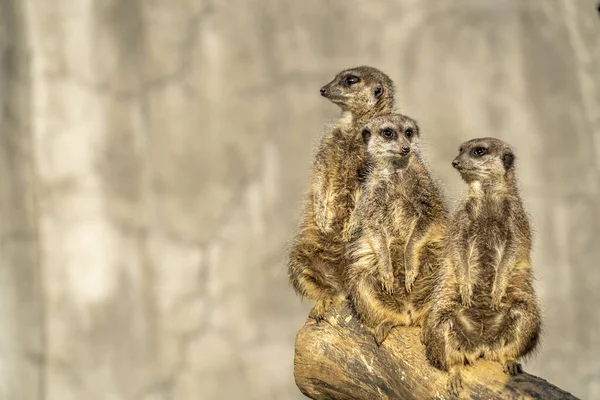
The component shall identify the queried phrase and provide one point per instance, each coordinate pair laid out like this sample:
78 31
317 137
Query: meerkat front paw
496 300
387 281
409 278
466 292
322 222
351 230
422 336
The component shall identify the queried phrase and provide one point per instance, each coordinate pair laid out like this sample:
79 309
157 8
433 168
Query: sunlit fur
403 219
317 255
484 303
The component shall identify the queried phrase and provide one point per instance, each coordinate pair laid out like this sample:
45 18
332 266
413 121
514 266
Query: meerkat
484 303
403 219
317 253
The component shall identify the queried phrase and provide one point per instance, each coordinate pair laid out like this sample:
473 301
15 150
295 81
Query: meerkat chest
486 243
486 219
393 209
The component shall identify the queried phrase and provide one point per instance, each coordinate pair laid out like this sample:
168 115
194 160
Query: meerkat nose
455 163
323 91
405 149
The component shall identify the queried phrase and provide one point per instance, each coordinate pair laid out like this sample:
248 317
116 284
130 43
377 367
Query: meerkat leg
381 247
382 331
464 281
316 280
321 288
384 328
411 259
520 336
352 226
323 200
434 339
443 349
505 263
324 304
372 307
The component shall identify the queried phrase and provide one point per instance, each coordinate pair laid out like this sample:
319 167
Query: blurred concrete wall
153 157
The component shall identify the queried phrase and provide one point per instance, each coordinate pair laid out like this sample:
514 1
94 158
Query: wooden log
338 359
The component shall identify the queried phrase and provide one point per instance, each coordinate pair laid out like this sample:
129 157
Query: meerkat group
376 230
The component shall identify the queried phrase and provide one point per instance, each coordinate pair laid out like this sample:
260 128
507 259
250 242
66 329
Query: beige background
153 156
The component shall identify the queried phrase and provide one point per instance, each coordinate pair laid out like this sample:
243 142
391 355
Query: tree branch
338 359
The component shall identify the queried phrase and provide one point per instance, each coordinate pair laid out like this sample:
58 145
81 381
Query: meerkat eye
408 133
350 80
479 151
388 133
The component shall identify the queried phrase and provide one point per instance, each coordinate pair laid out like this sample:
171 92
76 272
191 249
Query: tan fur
318 252
402 220
484 303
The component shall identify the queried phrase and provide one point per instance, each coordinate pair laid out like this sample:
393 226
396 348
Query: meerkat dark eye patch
479 151
508 160
378 90
409 133
350 80
366 135
388 133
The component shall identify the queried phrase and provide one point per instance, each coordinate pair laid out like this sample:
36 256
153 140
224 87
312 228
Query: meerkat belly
480 323
487 246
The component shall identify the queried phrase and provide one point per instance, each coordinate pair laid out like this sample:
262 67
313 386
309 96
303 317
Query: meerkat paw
350 230
422 337
320 309
512 367
455 384
323 224
427 268
409 279
466 292
383 331
387 282
496 300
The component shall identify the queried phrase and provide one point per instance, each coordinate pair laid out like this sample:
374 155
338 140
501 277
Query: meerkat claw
455 385
512 367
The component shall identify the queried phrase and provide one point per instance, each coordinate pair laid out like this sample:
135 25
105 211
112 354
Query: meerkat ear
508 160
378 90
366 135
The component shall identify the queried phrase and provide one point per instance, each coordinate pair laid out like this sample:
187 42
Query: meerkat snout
405 149
456 163
323 91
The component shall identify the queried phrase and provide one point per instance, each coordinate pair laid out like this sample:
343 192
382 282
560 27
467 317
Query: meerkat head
392 137
361 90
485 160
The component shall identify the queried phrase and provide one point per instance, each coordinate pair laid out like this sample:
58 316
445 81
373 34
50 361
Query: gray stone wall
153 158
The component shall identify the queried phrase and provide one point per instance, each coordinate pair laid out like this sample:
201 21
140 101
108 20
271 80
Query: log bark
338 359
